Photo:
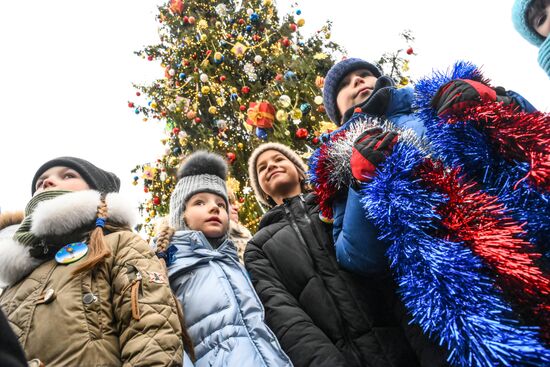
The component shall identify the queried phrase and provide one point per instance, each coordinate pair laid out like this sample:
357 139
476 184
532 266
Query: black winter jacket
321 314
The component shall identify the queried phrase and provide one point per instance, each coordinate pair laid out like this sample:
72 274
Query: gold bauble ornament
154 105
205 89
212 110
301 22
281 115
240 145
296 114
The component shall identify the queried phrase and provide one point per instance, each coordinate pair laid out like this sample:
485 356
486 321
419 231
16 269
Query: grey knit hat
95 177
253 175
200 172
333 79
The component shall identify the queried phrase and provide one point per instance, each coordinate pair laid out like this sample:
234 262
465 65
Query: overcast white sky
67 68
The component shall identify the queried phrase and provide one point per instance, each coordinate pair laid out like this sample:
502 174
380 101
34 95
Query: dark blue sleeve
401 113
523 103
355 237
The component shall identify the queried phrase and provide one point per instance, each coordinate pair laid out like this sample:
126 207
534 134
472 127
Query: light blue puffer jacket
224 316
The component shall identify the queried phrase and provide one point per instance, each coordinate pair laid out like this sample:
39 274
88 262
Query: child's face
277 175
234 211
207 212
60 178
354 89
541 21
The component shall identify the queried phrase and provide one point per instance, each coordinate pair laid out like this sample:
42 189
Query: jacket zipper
294 225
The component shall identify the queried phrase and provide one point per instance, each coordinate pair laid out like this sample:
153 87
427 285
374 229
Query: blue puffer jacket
224 316
358 248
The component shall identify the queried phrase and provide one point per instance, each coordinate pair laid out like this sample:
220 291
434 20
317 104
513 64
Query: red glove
459 94
370 150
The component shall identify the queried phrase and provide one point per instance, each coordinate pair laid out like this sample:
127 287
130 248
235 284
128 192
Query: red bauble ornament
222 78
301 133
150 58
156 200
242 107
176 130
315 140
186 19
241 21
138 94
293 27
245 89
198 120
231 157
256 38
410 51
279 78
357 110
285 42
163 113
131 104
241 200
145 190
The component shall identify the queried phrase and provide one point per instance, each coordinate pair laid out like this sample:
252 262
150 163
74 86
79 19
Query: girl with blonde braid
81 289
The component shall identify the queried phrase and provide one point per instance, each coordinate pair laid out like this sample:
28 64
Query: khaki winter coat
120 314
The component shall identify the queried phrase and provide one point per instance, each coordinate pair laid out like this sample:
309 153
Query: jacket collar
57 217
295 204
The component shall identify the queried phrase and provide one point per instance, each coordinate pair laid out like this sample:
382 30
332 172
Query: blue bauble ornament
261 133
290 75
182 76
248 28
305 108
298 12
234 96
254 17
177 151
136 111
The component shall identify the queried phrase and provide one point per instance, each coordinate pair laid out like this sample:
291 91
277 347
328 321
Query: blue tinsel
462 145
442 283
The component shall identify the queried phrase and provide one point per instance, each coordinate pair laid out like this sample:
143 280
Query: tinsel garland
515 135
479 221
329 166
443 284
498 147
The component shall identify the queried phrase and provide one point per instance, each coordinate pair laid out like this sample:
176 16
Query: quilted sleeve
150 331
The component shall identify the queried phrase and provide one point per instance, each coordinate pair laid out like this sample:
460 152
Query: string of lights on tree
235 76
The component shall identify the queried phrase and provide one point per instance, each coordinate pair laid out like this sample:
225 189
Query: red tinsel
481 222
516 135
324 190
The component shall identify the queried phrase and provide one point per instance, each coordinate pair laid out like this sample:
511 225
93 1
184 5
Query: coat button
88 298
49 295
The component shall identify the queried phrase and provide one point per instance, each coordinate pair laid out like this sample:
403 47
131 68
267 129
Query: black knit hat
95 177
334 76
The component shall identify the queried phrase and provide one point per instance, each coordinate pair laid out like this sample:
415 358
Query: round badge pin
72 252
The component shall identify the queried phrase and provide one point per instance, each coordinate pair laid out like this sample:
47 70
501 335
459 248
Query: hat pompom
203 163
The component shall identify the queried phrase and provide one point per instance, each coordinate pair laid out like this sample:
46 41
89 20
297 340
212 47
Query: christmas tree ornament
284 101
245 89
290 75
257 59
239 50
261 133
285 42
305 108
296 114
301 22
218 58
231 157
176 6
222 124
261 114
203 78
212 110
301 133
205 89
281 115
318 100
221 9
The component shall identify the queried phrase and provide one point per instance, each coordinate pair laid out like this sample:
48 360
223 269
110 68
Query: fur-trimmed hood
57 217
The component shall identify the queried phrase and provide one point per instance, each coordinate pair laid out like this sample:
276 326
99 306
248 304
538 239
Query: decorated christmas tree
235 75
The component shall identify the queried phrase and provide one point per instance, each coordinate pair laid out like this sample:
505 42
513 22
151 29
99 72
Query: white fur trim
74 210
121 209
65 213
15 261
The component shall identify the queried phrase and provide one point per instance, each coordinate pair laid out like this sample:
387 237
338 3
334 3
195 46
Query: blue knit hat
544 56
333 79
519 18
